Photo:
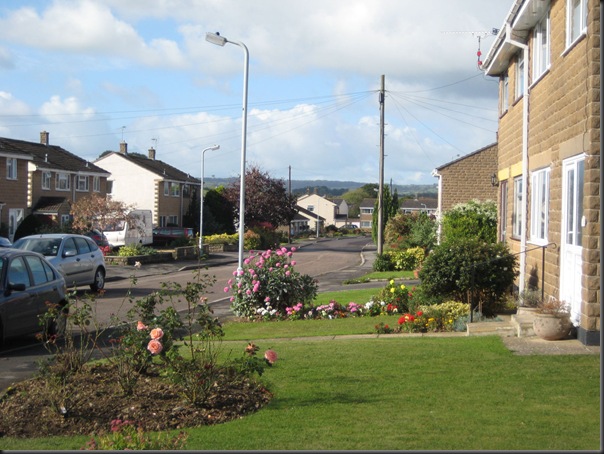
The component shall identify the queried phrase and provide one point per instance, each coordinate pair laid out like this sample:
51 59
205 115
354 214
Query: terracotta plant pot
552 327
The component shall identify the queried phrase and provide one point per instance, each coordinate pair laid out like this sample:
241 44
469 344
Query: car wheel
58 326
99 280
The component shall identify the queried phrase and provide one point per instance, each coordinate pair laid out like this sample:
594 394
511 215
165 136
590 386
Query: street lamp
203 153
215 38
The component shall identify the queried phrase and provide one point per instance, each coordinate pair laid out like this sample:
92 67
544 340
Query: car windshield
45 246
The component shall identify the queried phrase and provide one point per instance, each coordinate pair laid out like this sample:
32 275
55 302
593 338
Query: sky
94 73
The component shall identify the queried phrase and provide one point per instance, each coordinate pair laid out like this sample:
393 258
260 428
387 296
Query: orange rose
154 346
156 333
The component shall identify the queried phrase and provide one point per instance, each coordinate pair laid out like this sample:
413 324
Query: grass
387 275
408 393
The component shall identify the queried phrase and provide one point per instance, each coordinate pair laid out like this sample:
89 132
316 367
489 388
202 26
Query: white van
139 229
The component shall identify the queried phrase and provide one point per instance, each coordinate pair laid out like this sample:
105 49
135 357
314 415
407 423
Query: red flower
420 313
401 320
270 356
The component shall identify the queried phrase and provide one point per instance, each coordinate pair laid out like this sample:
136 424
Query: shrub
222 238
251 240
268 284
474 219
135 249
383 262
408 259
469 268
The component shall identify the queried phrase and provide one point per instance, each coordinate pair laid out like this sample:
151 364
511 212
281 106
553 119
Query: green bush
221 238
251 241
135 249
469 268
474 219
409 259
383 262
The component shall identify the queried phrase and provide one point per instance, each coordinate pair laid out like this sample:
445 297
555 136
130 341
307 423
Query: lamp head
215 38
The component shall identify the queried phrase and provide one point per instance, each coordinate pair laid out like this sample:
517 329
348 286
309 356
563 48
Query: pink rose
226 290
156 333
270 356
140 326
154 346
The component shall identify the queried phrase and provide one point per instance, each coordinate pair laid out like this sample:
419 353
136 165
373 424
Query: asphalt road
331 262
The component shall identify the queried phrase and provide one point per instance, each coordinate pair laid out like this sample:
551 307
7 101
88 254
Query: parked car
98 237
162 236
349 227
77 257
5 242
28 285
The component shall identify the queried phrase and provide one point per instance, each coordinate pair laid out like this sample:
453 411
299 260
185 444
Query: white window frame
175 189
503 212
65 219
46 180
520 75
541 47
540 206
166 188
505 86
517 209
83 183
62 177
11 168
96 184
173 219
576 20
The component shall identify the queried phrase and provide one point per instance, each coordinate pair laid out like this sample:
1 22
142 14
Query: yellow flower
403 287
392 290
450 321
430 319
391 281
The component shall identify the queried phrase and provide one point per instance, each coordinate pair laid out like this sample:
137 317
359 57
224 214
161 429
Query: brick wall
563 123
469 178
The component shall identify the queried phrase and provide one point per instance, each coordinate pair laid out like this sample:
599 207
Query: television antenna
480 35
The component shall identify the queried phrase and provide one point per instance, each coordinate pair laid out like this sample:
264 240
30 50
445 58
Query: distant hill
333 187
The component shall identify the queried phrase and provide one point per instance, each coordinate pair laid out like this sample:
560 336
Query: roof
367 203
49 205
164 170
51 157
309 214
494 144
420 204
519 22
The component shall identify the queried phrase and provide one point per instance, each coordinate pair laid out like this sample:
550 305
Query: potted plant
529 301
552 320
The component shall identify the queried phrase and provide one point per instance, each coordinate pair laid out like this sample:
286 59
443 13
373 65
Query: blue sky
92 73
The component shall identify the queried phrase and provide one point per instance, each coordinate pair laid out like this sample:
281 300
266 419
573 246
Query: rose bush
267 284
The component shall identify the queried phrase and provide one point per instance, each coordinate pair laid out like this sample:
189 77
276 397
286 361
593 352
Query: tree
389 210
218 213
354 197
96 211
266 199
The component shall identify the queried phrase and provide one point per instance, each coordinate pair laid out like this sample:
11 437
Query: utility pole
380 231
289 227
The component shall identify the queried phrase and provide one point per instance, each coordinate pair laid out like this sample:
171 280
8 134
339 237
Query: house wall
563 122
325 208
469 178
13 193
35 190
131 184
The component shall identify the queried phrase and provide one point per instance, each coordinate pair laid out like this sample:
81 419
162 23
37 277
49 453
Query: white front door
572 223
15 216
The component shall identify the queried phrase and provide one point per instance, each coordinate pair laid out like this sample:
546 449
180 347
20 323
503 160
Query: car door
86 256
20 306
69 263
44 283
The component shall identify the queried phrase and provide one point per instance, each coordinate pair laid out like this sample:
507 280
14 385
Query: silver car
77 257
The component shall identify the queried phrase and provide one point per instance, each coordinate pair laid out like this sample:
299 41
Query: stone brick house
43 180
466 178
547 58
151 184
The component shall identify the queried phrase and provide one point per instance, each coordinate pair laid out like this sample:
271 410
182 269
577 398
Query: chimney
152 153
44 136
123 147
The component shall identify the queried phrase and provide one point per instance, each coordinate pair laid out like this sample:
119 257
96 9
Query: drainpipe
525 128
440 201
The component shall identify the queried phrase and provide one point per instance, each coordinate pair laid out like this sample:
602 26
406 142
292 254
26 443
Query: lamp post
215 38
203 153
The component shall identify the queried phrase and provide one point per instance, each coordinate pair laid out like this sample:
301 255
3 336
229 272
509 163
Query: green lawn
333 391
404 393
